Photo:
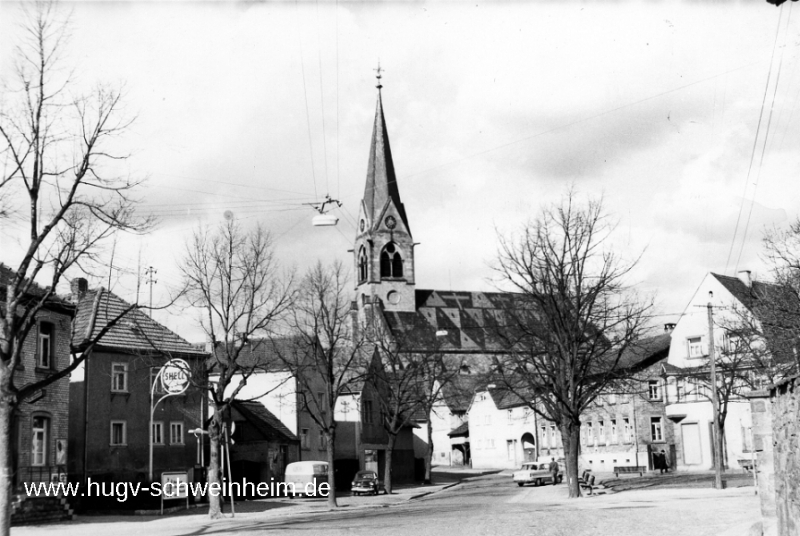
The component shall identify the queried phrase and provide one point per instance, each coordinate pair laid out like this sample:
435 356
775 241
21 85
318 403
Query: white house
502 430
688 394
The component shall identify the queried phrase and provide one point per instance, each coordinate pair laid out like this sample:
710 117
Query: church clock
390 222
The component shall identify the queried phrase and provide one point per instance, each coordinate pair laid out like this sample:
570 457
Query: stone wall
761 411
786 444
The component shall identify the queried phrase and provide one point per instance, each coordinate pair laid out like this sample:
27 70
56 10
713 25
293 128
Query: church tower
384 248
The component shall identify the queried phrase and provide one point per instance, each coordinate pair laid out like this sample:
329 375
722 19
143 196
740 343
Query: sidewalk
679 479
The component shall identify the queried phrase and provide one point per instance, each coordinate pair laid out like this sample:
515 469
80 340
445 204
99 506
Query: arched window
391 261
362 265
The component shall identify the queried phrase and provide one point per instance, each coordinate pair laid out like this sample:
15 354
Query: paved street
483 505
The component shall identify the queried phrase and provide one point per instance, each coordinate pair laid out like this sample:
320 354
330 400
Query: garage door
692 451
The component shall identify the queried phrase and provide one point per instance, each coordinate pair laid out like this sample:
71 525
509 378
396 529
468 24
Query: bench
629 469
588 483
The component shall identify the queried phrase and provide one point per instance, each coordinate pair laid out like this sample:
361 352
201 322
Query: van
306 477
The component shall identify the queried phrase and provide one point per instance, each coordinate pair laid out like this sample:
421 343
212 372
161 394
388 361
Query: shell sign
175 376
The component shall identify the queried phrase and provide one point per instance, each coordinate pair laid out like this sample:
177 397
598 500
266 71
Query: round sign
175 376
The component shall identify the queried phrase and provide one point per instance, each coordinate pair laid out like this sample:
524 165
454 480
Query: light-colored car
536 473
367 482
306 477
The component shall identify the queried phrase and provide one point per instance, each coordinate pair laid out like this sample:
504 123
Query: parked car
307 477
367 482
536 473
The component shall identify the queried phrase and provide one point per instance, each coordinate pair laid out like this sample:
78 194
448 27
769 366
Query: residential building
449 418
39 427
687 370
502 430
628 424
110 408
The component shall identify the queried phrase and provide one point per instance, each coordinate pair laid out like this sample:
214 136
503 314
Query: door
692 451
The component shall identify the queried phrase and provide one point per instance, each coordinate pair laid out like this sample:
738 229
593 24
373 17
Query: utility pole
151 280
717 439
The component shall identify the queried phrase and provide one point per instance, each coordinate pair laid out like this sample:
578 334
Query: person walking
554 470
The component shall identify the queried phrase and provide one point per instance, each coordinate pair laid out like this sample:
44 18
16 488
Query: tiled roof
473 321
462 430
264 354
645 352
263 420
134 331
759 292
458 392
506 399
34 291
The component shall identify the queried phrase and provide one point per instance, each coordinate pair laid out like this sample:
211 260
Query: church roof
466 321
381 184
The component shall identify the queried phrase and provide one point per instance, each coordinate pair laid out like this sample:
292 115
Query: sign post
174 377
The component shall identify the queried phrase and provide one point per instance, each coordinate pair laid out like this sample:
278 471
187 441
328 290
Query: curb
419 495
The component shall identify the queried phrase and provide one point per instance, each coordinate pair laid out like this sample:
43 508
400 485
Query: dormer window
391 262
362 265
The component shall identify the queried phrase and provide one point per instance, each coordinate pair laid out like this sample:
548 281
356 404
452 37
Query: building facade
110 408
39 427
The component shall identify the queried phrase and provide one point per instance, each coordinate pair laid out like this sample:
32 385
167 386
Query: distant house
451 440
502 429
39 450
629 424
262 445
109 435
687 368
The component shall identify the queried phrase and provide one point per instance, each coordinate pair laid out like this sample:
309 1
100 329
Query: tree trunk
429 453
6 468
214 499
571 439
387 476
330 436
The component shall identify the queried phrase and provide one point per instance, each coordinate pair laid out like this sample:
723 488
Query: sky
681 115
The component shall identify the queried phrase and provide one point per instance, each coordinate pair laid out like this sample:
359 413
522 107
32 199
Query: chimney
78 288
668 327
744 276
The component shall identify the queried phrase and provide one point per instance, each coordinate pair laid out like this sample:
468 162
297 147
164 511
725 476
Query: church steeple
381 184
384 248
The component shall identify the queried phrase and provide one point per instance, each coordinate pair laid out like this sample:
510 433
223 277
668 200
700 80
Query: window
511 415
44 354
362 265
159 390
656 429
654 390
176 433
612 399
119 433
119 377
545 442
590 433
391 261
695 347
487 419
510 449
304 438
158 433
526 415
553 436
747 439
323 441
322 402
368 412
628 430
613 431
601 432
680 390
40 432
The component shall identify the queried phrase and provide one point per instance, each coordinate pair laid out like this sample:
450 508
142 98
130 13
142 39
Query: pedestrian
554 470
664 464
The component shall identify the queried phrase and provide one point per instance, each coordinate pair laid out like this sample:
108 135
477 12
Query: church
465 325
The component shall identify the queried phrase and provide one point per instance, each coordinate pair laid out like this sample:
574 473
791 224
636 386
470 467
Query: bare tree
233 278
573 319
59 165
331 358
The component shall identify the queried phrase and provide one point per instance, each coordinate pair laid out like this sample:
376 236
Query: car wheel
539 482
520 484
560 479
375 491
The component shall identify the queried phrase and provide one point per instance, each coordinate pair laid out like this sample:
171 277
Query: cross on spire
378 75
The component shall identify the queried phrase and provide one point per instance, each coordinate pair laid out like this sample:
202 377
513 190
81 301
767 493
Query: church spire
381 184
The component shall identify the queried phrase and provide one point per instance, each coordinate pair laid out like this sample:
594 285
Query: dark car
367 482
